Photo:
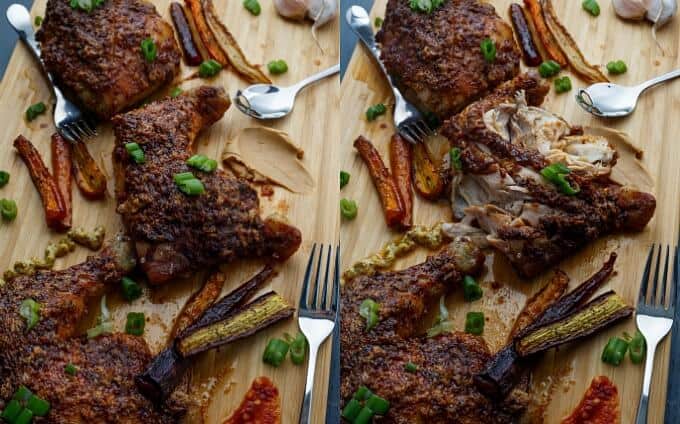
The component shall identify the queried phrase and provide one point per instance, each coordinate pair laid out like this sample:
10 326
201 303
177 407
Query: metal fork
71 123
408 120
317 319
654 319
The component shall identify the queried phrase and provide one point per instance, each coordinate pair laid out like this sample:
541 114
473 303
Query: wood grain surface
561 377
221 376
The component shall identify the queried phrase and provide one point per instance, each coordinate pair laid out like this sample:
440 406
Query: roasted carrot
524 36
400 162
427 178
552 49
89 178
199 302
53 203
63 175
384 183
192 54
209 42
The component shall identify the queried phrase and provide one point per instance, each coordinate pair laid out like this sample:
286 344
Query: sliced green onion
135 323
549 68
71 369
378 21
38 20
410 367
131 290
617 67
149 50
374 111
488 47
39 407
637 349
298 349
25 417
23 394
277 67
4 178
351 410
275 352
8 209
474 323
344 178
425 6
369 310
135 152
562 85
252 6
34 110
362 393
614 351
442 324
11 411
471 290
591 7
377 404
456 162
103 328
189 184
202 163
209 68
556 173
183 176
175 92
348 209
86 5
365 416
30 311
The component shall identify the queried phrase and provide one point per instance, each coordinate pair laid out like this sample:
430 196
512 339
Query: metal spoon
608 100
266 101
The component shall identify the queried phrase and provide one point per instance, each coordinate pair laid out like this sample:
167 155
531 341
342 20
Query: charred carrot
186 39
199 302
427 179
90 180
400 162
209 41
62 174
524 37
384 183
552 49
53 203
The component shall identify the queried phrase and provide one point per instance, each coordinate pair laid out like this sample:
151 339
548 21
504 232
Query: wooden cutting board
221 376
561 377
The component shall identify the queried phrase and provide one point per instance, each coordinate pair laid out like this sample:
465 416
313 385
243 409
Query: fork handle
641 417
20 19
306 410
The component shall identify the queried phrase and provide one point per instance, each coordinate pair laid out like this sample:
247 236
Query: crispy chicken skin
435 59
177 233
96 57
442 389
523 215
103 390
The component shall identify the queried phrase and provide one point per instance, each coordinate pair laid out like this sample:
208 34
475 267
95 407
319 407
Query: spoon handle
658 80
316 77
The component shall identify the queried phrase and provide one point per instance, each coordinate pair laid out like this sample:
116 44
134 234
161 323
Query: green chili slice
374 111
474 323
637 348
275 352
614 351
369 310
348 209
298 349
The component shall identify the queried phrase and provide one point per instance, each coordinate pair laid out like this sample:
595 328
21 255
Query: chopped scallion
4 178
348 209
8 209
344 178
275 352
135 323
71 369
456 162
471 290
189 184
175 92
252 6
410 367
135 152
369 310
30 311
34 110
149 50
209 68
374 111
488 47
474 323
202 163
614 351
277 67
298 349
131 290
556 173
39 407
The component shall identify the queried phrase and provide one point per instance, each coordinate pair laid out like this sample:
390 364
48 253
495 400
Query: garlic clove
631 9
292 9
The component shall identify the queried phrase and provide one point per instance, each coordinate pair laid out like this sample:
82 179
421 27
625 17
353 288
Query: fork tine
665 277
324 304
90 126
425 128
305 284
317 279
419 130
645 278
336 282
73 130
407 136
84 134
64 131
655 281
84 127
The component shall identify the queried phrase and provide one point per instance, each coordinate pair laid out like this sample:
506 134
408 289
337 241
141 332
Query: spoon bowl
267 101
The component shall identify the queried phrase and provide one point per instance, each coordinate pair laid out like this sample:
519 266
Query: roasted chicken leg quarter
97 58
176 232
103 389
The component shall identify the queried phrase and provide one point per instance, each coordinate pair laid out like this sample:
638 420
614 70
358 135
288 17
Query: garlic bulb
291 9
631 9
661 11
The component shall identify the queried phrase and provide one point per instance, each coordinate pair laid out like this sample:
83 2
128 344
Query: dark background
8 37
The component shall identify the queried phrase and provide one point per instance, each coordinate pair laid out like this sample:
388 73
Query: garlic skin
631 9
292 9
661 11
